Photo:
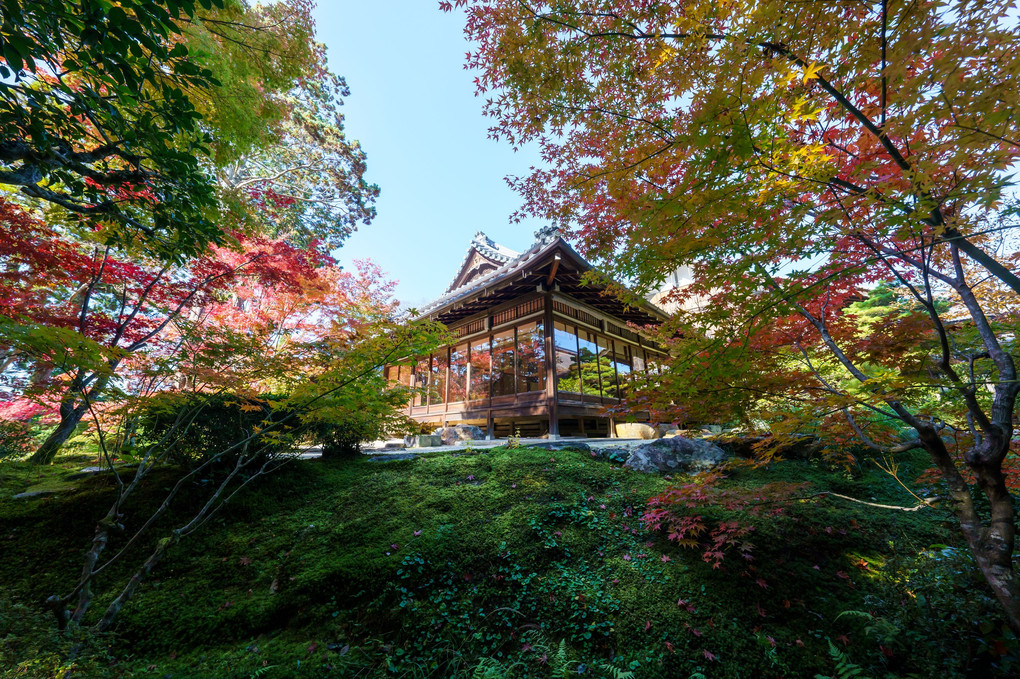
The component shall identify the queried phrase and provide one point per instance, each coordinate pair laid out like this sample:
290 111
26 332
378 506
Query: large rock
676 454
460 432
617 454
423 441
636 430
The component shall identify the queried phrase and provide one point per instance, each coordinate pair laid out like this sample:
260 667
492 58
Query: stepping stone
34 493
87 471
394 456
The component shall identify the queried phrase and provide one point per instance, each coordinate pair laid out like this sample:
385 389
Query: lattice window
576 314
513 313
471 328
622 332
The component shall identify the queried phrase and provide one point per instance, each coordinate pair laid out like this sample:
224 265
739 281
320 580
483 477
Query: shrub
15 439
209 424
343 437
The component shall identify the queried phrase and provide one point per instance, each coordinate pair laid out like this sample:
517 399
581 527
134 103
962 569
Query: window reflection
588 362
639 361
480 375
623 363
530 357
458 372
404 376
503 351
438 387
422 373
607 369
568 369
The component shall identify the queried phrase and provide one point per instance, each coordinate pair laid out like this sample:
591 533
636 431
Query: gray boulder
423 441
677 454
460 432
617 454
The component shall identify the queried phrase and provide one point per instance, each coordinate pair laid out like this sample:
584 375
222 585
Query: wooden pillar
550 370
489 427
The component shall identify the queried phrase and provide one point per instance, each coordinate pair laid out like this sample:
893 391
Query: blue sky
412 107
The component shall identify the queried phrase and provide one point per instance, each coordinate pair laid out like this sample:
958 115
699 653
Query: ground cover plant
785 158
511 562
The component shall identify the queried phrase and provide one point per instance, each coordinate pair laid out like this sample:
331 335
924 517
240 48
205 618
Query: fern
560 663
489 668
260 671
877 627
615 672
845 669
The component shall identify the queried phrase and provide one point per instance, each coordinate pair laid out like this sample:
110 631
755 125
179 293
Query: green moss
424 567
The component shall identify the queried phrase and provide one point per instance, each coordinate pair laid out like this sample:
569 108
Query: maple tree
348 383
84 314
280 145
115 338
794 155
94 117
169 124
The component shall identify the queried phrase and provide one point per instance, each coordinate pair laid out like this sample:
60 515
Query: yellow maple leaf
811 71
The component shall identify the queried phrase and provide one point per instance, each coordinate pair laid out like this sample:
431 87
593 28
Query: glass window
421 380
405 374
503 352
458 372
530 357
606 369
654 363
623 363
437 392
480 369
568 370
639 361
588 362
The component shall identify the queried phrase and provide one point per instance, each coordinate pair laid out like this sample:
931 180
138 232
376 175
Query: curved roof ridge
483 280
489 249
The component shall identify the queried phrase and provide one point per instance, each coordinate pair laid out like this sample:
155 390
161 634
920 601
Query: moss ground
507 562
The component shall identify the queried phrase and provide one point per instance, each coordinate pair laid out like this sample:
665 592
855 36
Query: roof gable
484 256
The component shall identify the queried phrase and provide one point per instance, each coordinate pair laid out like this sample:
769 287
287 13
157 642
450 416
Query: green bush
341 438
193 428
15 439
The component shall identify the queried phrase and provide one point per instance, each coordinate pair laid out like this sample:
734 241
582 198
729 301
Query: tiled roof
489 249
511 264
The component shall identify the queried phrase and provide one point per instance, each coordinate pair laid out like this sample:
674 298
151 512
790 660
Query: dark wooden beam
552 271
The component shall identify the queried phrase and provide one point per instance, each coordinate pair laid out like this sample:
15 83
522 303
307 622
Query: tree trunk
69 419
992 544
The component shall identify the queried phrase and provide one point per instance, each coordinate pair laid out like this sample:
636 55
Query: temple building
537 350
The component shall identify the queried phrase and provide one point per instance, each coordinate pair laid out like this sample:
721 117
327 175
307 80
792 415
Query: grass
518 562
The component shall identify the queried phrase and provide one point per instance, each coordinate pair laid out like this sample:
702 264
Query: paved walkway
396 447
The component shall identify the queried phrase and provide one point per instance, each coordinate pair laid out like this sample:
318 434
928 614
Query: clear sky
412 107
